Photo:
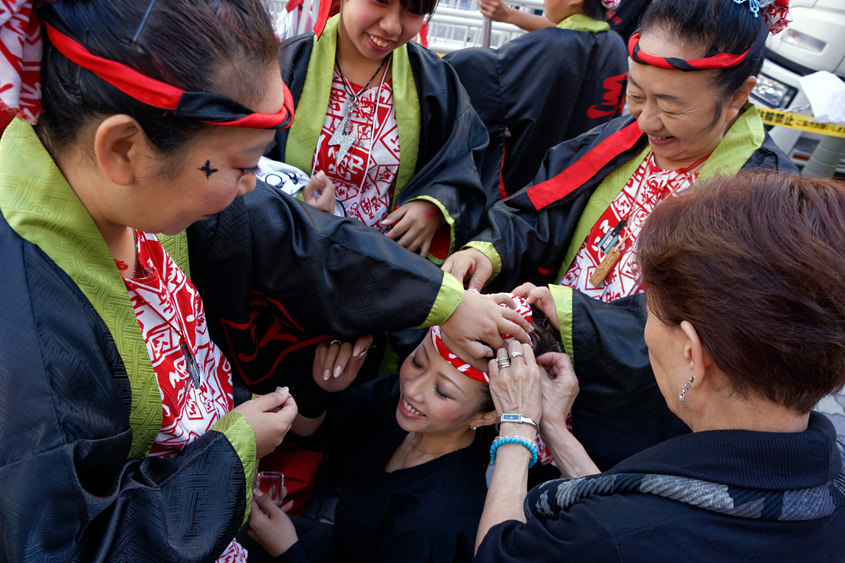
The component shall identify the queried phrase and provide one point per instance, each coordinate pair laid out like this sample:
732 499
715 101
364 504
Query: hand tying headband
523 308
775 12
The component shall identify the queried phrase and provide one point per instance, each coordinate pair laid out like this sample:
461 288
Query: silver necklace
344 135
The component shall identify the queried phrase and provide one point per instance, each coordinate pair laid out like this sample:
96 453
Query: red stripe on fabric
322 17
568 180
291 5
141 87
544 271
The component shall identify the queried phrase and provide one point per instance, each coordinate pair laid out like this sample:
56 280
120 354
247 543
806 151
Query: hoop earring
683 394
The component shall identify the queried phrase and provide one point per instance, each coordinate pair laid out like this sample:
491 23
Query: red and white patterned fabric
522 307
20 60
365 178
777 15
169 308
649 184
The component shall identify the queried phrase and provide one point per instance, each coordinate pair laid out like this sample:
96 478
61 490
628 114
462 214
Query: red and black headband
213 109
719 60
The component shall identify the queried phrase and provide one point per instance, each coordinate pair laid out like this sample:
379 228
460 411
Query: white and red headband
523 308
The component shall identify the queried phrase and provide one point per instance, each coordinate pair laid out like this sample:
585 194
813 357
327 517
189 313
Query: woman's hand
319 192
559 387
270 526
478 323
516 388
542 298
270 416
496 10
469 266
414 224
336 363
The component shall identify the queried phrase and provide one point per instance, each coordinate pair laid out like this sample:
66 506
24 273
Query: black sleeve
619 410
277 276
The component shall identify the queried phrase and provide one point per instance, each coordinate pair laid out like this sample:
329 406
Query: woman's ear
119 143
695 354
485 419
740 96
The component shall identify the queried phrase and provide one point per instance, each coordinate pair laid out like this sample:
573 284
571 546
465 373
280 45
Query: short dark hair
719 26
197 45
755 263
595 10
419 7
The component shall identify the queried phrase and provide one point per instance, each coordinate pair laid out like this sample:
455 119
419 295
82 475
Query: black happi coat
80 405
441 137
540 89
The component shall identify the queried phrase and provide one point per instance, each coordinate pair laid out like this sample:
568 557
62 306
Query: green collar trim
311 109
41 207
743 138
581 22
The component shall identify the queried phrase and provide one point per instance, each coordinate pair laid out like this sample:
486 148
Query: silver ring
516 355
503 362
336 341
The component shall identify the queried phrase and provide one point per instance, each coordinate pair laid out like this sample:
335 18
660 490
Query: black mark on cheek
207 168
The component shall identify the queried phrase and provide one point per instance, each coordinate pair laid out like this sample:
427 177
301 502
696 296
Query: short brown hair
755 262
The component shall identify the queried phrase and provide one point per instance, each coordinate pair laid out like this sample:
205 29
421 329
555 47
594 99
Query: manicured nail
326 375
337 371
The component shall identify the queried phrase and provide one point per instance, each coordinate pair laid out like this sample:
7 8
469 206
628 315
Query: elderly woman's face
434 396
679 111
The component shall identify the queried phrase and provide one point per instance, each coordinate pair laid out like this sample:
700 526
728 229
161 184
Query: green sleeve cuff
488 250
447 300
449 221
238 431
562 296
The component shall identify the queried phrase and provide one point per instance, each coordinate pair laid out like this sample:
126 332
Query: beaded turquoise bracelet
502 440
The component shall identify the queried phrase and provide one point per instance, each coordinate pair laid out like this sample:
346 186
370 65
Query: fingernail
326 375
257 493
337 371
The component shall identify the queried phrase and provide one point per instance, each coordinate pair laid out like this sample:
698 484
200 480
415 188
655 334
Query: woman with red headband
120 437
412 452
388 122
692 67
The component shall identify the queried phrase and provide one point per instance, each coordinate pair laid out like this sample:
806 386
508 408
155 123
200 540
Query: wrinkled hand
270 526
516 388
414 224
470 266
319 192
496 10
336 363
541 297
270 416
559 387
476 326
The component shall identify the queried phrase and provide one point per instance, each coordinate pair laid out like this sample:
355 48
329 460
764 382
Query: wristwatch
518 418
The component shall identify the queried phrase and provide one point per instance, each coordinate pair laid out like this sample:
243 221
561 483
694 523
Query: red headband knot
522 307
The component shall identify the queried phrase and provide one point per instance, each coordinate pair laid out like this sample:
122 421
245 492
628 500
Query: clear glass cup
270 483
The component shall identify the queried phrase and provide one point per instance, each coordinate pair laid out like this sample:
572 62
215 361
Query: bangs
419 7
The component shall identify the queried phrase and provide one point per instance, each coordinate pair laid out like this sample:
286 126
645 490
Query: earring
683 394
474 428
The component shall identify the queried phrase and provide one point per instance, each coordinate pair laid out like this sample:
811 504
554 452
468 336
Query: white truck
814 41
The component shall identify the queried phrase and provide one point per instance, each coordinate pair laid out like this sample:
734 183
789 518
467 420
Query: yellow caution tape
797 121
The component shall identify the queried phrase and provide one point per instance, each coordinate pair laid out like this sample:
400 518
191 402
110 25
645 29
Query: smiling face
435 397
681 112
371 29
214 168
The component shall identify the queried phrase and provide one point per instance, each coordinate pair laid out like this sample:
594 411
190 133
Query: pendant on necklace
608 262
344 135
191 364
